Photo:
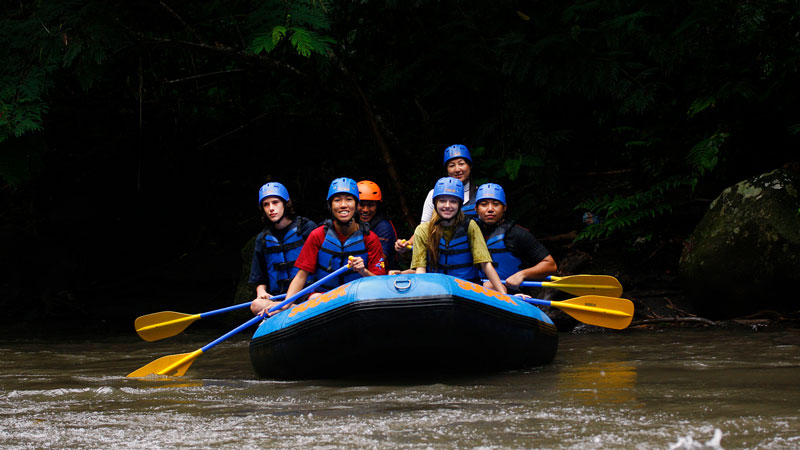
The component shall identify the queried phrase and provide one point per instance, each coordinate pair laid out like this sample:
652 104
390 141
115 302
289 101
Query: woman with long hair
450 242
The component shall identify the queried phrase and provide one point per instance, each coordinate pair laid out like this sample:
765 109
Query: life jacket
388 248
334 254
455 257
503 259
469 208
280 255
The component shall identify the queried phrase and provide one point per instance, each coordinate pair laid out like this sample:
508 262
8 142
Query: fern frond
702 157
306 42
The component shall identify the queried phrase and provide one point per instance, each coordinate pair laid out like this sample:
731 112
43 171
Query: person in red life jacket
277 246
516 254
451 243
331 245
458 163
371 212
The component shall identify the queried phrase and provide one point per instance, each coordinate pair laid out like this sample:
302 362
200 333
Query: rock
245 291
744 255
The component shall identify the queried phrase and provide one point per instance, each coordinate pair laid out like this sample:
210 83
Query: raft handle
404 280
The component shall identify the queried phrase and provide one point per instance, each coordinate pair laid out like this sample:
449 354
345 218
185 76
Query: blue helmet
457 151
343 185
273 190
448 186
491 191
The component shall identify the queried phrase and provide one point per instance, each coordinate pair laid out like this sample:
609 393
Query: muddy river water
684 388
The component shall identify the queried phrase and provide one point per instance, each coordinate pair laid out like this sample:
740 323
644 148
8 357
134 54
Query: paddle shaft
235 307
277 307
580 285
167 323
180 363
540 302
562 285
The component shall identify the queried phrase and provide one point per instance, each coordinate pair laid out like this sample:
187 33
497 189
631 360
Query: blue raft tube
419 324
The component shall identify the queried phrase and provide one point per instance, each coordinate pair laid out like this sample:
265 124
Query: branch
203 75
673 319
374 123
235 130
229 51
180 19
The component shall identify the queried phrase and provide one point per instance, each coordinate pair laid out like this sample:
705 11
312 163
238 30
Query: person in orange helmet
371 212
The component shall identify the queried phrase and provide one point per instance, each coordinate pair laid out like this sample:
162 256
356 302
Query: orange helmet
367 190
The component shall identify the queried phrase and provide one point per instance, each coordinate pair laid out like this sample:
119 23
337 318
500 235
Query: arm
261 306
298 283
494 279
427 208
261 291
419 255
540 271
306 264
258 272
529 249
402 245
388 238
374 255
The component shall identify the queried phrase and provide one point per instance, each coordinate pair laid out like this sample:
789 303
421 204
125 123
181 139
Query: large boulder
245 291
744 255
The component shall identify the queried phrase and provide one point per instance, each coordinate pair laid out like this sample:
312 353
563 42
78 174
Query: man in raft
278 244
517 254
370 211
331 245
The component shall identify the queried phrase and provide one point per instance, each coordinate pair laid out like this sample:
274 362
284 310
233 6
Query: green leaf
512 168
700 104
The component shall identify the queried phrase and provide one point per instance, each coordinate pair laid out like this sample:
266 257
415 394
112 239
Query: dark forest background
134 135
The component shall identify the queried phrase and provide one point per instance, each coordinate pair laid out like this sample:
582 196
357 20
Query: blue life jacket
455 257
503 259
469 208
334 254
280 256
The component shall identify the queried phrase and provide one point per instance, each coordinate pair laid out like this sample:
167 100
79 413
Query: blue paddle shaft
524 283
535 301
235 307
257 319
234 331
311 287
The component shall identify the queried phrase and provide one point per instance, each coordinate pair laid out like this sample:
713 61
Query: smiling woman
451 243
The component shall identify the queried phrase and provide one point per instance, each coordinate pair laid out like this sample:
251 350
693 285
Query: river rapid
638 389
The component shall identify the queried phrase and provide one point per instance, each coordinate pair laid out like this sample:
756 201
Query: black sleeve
527 247
258 268
306 227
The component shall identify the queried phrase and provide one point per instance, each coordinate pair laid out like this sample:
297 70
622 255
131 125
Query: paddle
607 312
164 324
176 365
580 285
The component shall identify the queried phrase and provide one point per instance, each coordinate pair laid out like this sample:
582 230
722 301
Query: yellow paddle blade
586 285
172 365
160 325
607 312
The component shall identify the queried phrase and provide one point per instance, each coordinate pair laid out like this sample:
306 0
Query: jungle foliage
630 110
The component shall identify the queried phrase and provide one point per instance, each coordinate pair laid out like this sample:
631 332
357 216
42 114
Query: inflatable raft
418 324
